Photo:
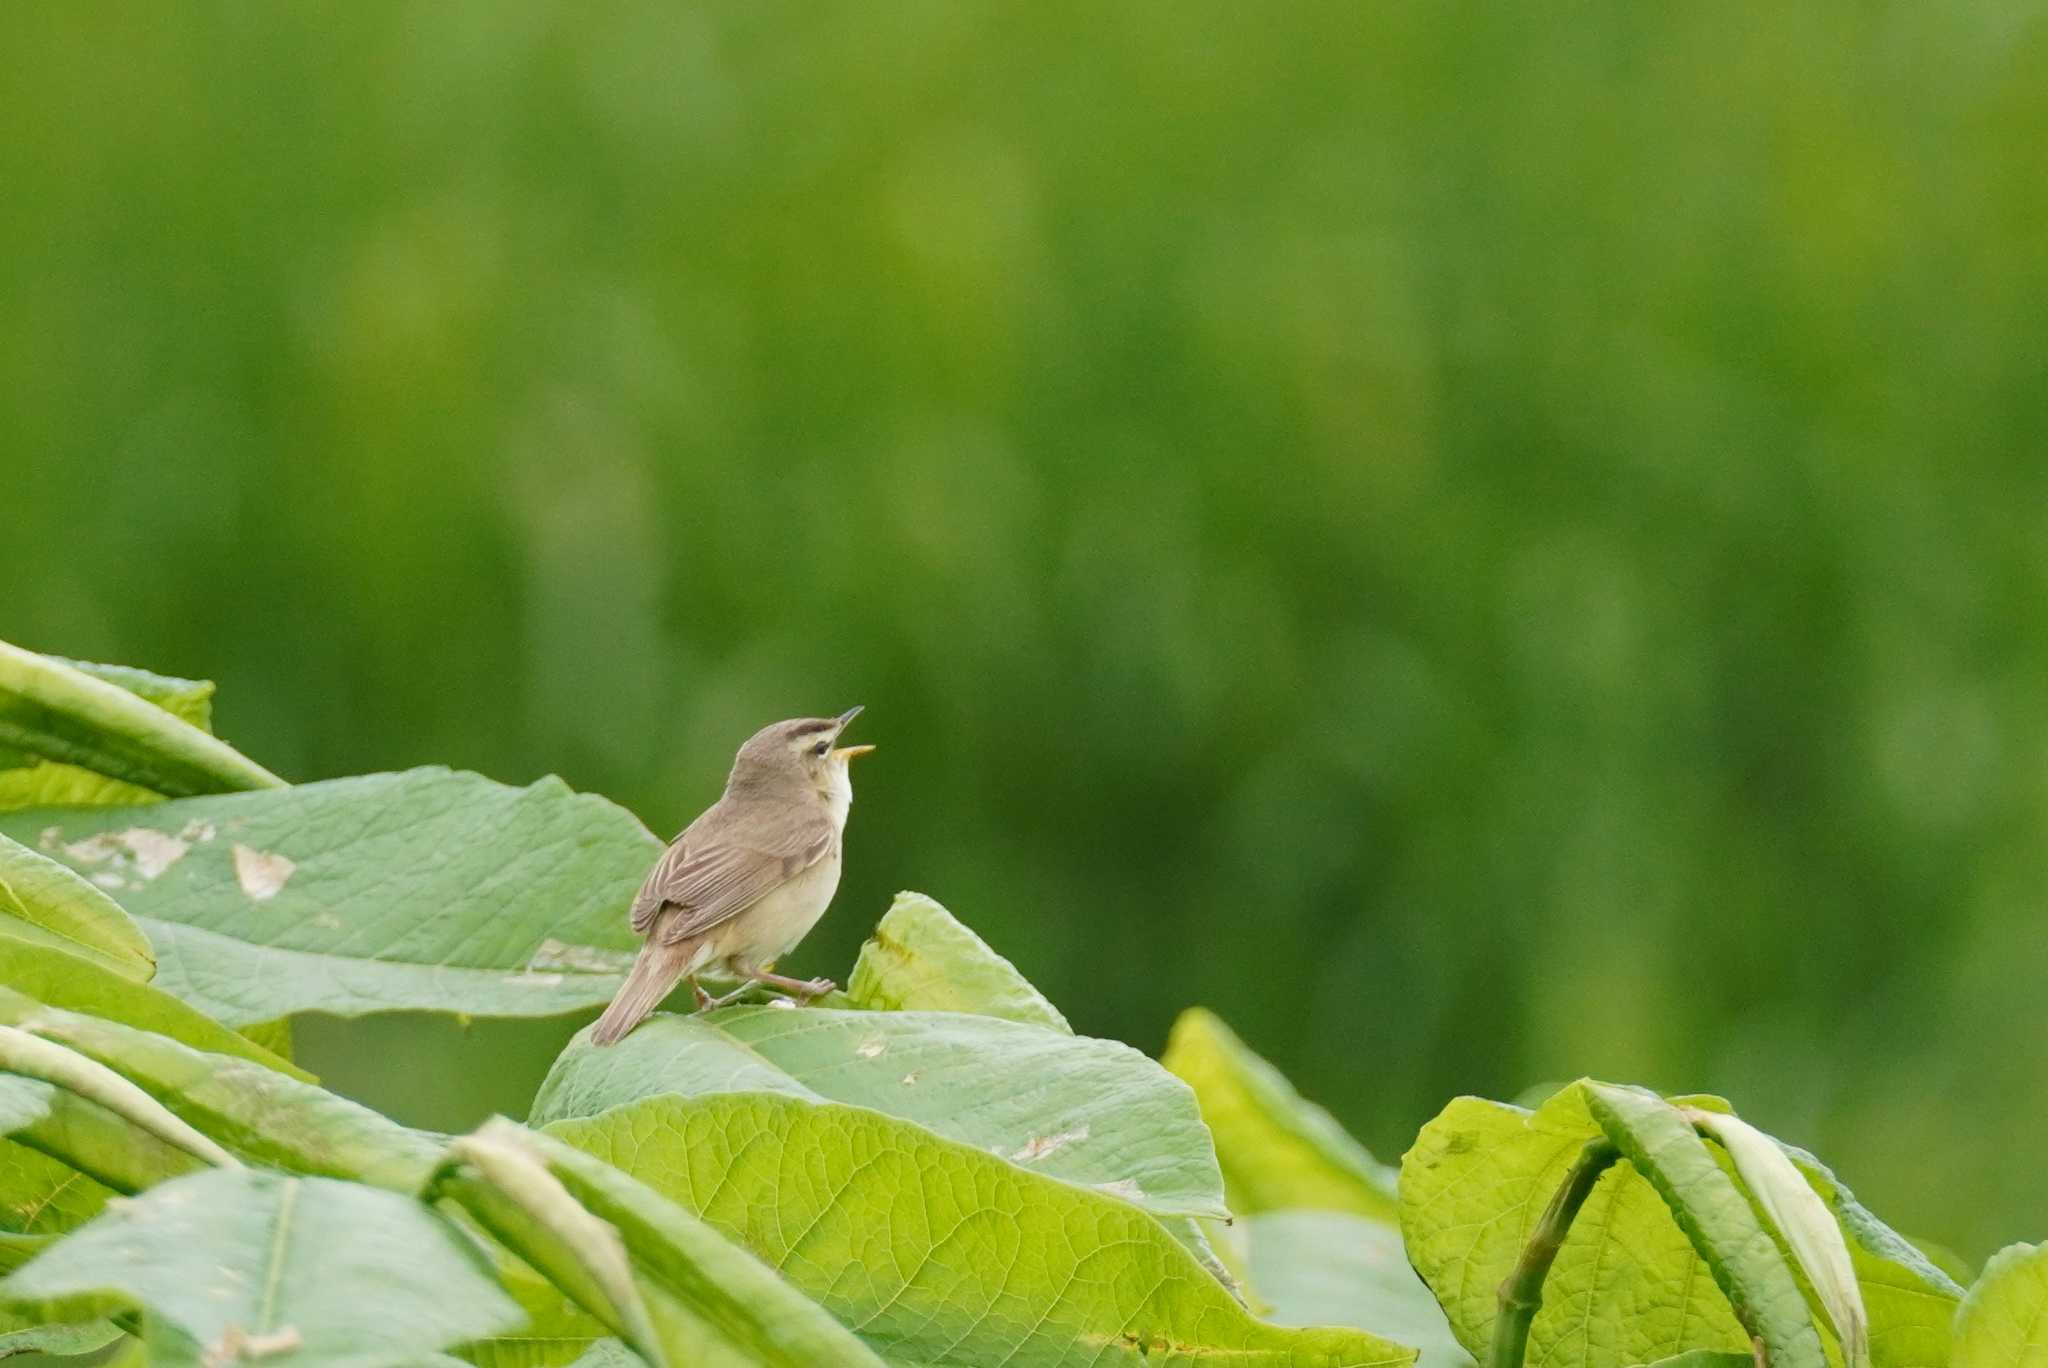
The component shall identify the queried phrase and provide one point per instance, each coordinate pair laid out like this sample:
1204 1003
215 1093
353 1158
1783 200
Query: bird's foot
803 990
708 1003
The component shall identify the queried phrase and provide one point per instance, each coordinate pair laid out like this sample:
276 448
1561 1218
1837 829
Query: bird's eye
821 748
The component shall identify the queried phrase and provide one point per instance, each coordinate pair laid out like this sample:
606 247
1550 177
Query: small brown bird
748 879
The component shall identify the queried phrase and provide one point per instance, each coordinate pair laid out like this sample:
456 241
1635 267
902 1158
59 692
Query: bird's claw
708 1003
816 988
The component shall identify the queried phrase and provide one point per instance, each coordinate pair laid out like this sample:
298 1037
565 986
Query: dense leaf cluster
928 1169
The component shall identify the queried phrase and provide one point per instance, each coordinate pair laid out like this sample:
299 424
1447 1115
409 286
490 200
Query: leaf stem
1521 1292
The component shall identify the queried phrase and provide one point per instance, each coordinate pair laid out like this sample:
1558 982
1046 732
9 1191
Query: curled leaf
1802 1219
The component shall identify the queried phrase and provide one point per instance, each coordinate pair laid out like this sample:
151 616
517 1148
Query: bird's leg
712 1004
803 990
708 1003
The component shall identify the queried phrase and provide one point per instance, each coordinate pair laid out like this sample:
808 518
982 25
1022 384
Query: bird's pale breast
772 927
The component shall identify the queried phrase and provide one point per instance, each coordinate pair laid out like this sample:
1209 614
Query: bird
749 878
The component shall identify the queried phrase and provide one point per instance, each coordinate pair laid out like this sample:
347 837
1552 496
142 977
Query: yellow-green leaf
1278 1150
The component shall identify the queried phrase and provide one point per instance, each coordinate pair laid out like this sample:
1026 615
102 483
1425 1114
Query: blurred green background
1484 543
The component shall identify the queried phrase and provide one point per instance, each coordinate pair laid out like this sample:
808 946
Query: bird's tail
654 973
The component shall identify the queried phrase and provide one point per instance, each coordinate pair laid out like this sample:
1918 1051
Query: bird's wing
711 880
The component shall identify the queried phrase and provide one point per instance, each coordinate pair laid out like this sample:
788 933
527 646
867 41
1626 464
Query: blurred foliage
1486 545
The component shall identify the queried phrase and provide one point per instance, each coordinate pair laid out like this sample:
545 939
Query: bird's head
802 753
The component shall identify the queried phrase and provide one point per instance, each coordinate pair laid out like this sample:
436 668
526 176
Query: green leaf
189 700
65 1156
52 977
16 1250
31 1056
1909 1300
40 1195
34 783
1747 1263
427 890
556 1330
1948 1262
1480 1174
258 1113
506 1188
274 1036
59 712
30 1335
1627 1287
26 781
1278 1150
1092 1112
921 958
937 1252
714 1302
1705 1358
2003 1322
248 1264
1335 1268
46 903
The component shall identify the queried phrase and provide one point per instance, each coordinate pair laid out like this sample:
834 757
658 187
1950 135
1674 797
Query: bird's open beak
849 752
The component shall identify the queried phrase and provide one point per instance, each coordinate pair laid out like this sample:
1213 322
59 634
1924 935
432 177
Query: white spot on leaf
589 959
144 851
1126 1188
237 1345
870 1047
1041 1145
910 1078
261 873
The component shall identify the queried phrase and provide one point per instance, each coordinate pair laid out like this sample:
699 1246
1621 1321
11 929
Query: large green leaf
922 958
1092 1112
46 903
1628 1287
1747 1264
241 1263
1335 1268
427 889
28 781
2003 1322
259 1114
936 1252
1278 1150
57 979
39 1192
713 1303
59 712
65 1156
